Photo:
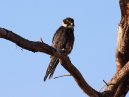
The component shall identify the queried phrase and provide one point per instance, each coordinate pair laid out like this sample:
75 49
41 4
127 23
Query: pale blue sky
22 72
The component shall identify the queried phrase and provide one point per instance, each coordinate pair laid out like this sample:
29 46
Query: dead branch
44 48
121 87
117 79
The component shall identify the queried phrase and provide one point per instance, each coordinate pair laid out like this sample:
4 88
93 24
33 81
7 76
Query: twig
106 83
62 76
41 40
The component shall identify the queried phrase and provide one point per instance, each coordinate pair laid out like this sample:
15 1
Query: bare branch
44 48
26 44
116 81
79 78
119 77
122 51
122 7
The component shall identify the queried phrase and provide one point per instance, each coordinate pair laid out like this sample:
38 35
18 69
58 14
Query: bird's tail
51 68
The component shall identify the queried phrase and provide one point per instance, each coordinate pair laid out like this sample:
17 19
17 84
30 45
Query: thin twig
62 76
105 83
41 40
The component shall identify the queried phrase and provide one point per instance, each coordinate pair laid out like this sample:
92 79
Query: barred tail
51 68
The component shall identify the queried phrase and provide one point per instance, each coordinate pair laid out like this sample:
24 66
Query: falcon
63 40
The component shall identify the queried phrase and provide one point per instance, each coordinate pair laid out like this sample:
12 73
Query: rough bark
118 86
122 52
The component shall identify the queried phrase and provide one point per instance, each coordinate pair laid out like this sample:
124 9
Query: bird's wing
56 41
70 41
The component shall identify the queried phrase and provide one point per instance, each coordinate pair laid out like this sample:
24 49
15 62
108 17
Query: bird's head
68 22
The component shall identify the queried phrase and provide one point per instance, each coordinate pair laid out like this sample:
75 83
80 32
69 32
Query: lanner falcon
63 40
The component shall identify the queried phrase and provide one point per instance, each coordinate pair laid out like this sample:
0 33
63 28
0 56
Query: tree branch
117 79
122 53
44 48
121 87
26 44
122 7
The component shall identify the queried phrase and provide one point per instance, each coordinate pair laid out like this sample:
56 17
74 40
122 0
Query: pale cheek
64 25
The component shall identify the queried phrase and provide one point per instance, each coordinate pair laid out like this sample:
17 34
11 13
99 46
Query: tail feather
51 68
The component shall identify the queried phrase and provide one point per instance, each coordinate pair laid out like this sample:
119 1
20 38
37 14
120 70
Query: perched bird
63 40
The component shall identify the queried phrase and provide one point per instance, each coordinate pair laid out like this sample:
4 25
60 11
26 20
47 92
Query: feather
51 68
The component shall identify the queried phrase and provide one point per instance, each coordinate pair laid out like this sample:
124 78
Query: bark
119 87
122 52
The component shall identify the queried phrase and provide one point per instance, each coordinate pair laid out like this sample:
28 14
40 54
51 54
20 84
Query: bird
63 40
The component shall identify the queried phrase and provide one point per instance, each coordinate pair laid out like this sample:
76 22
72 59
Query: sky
22 71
